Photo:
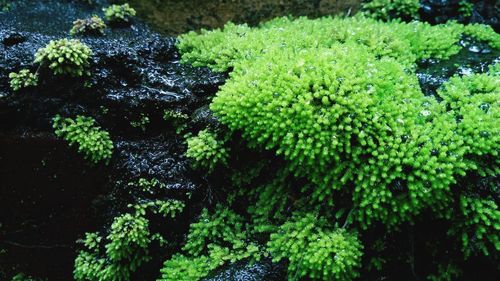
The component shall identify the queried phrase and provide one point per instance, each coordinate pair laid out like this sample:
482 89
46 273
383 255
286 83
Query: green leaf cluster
392 9
94 143
69 57
239 44
119 13
24 78
93 26
167 208
206 150
338 99
465 8
317 253
479 226
127 246
127 249
213 241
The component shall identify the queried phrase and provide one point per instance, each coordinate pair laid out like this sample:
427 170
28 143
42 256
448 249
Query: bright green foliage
336 114
148 186
94 143
70 57
479 227
129 239
185 268
24 78
391 9
127 250
407 42
214 240
169 208
314 252
182 268
119 13
94 26
268 211
474 101
222 228
127 244
483 33
206 150
338 99
466 8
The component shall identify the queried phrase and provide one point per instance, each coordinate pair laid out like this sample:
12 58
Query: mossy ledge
339 100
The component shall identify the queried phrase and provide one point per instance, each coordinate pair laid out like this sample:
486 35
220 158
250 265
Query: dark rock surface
440 11
261 271
50 195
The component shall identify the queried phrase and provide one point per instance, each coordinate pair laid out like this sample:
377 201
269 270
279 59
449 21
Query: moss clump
314 252
240 44
69 57
119 14
479 226
127 246
94 143
345 108
338 99
392 9
214 240
126 251
206 150
91 26
23 79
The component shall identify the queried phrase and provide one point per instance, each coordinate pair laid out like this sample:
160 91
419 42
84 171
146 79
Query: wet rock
134 72
475 57
159 158
260 271
203 117
441 11
12 38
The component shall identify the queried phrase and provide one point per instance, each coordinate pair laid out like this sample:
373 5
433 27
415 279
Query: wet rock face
475 57
440 11
261 271
56 195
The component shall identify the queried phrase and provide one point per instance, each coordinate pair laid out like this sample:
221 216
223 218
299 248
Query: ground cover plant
364 148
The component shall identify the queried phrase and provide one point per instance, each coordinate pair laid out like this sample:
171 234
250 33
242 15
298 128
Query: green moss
94 143
339 100
119 13
214 240
93 26
69 57
465 8
206 150
392 9
129 239
317 253
127 246
240 44
484 33
23 79
479 226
